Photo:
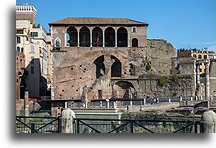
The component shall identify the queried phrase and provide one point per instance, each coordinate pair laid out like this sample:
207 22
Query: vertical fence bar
78 128
32 128
59 124
131 126
196 127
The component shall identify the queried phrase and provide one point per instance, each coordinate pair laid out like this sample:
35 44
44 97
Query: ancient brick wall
160 52
20 65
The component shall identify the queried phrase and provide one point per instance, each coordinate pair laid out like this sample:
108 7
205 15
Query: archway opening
100 67
134 42
122 37
84 37
97 37
124 89
71 37
116 68
110 37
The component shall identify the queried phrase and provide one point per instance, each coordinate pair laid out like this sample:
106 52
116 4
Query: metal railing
134 126
32 124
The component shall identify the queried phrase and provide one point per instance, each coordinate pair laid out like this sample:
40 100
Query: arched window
71 37
84 37
18 40
97 37
57 42
22 49
18 48
109 37
100 67
122 37
116 67
134 42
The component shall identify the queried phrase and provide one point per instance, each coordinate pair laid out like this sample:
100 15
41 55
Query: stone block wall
160 53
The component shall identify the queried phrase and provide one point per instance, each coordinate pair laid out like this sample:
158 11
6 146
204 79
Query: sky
183 23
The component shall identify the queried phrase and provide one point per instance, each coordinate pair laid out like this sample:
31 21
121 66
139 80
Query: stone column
26 107
207 87
66 121
208 122
90 37
78 39
103 38
198 74
116 38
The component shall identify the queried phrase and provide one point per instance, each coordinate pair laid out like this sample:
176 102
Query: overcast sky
183 23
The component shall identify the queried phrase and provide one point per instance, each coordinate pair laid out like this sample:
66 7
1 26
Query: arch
124 89
109 37
97 37
71 37
122 37
116 68
57 42
100 67
134 42
84 36
22 49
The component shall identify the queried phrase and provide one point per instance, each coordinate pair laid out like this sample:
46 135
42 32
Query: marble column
207 87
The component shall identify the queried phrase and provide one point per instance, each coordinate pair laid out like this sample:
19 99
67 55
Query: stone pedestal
208 122
66 121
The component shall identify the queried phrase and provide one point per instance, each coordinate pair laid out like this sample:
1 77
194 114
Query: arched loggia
71 37
109 37
122 37
84 36
97 37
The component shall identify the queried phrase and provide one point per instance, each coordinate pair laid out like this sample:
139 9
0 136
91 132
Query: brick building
102 58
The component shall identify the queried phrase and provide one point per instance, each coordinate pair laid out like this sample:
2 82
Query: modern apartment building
32 40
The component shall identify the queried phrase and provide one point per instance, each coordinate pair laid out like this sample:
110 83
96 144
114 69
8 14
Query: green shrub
148 66
174 76
163 80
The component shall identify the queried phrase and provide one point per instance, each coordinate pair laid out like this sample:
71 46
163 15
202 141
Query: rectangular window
34 34
32 60
19 31
32 69
32 49
134 29
100 95
200 57
205 56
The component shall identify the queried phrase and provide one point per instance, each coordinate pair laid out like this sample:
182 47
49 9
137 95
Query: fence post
32 128
196 127
144 101
107 100
180 99
67 121
131 126
191 98
208 122
131 103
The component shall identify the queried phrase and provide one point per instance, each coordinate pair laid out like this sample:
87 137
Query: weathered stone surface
208 122
67 121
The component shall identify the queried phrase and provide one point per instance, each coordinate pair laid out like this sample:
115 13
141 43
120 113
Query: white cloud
210 43
212 48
